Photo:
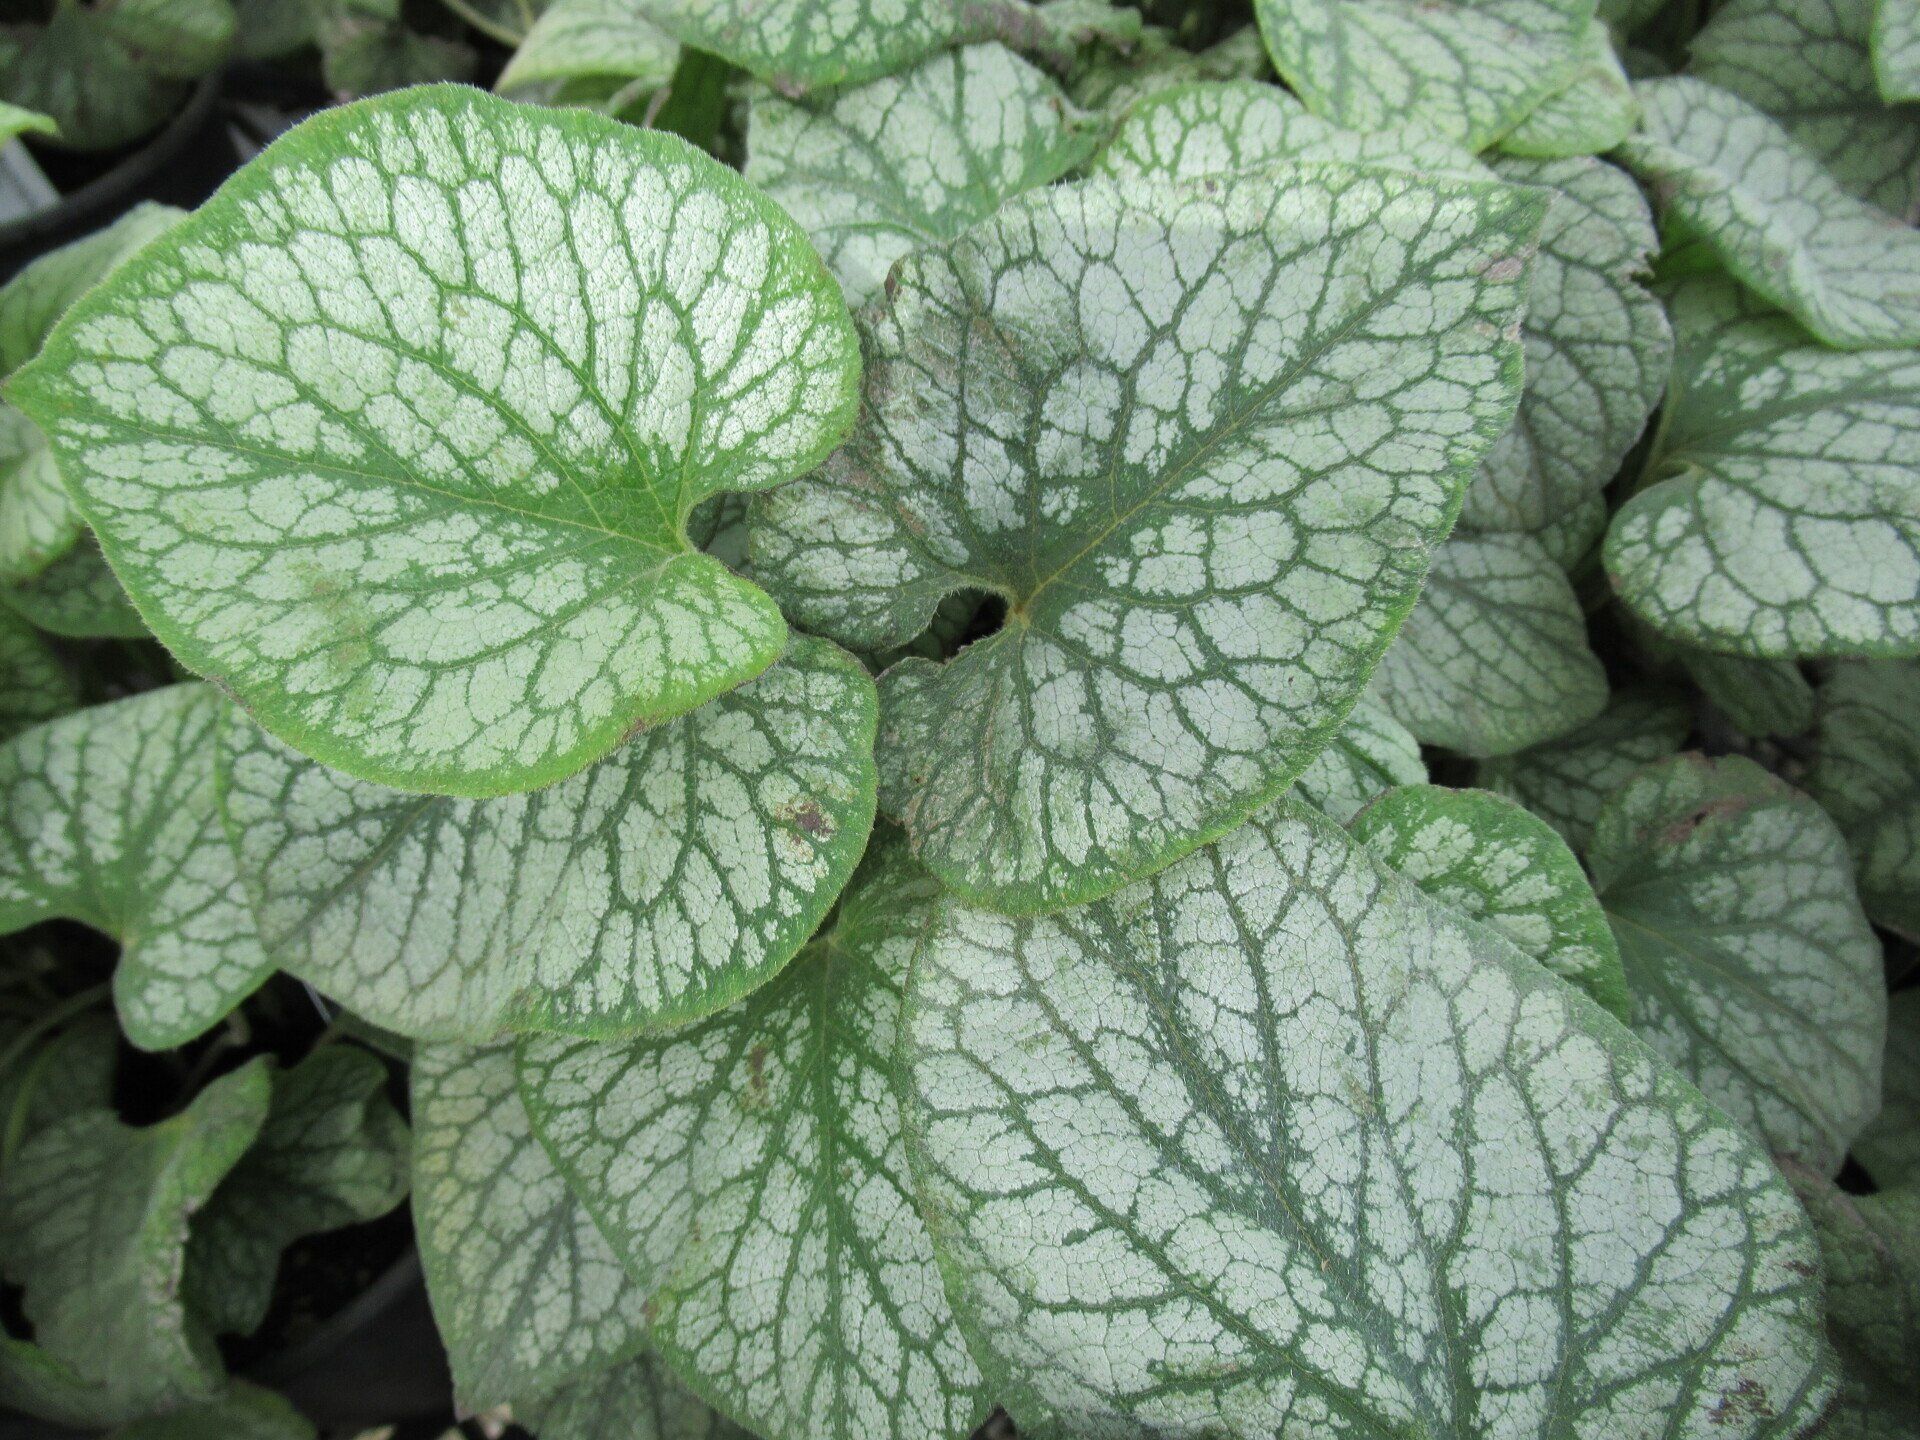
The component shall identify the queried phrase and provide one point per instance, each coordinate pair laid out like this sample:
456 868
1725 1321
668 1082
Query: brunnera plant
1184 727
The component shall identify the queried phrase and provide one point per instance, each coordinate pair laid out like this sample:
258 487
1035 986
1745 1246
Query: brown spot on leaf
1681 830
1507 267
808 817
1741 1403
757 1072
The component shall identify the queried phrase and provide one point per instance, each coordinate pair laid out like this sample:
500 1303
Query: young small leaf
1247 1150
1806 63
112 820
1866 772
1498 863
525 1292
637 1399
333 1152
1566 781
1495 657
109 73
397 436
653 888
579 42
93 1225
1784 517
1775 217
1469 70
1751 965
752 1173
1202 438
913 158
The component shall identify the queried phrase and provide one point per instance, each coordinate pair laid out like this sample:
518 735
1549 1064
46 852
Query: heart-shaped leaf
333 1152
525 1292
113 820
1598 348
398 435
1467 70
1274 1145
1750 963
1774 215
653 888
1566 781
1201 438
752 1172
1866 772
912 158
1495 656
1785 515
1806 63
93 1224
1496 862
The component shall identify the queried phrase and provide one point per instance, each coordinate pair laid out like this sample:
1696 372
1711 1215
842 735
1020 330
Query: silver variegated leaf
1775 216
526 1294
1274 1145
1807 64
1566 781
112 820
1495 656
1750 963
910 159
397 437
652 888
1468 70
1783 514
752 1172
1498 863
1201 438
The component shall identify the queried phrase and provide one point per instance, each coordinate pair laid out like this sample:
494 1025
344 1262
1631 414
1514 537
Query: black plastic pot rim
123 180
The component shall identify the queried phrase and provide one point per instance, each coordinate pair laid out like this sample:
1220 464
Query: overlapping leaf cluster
1195 728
